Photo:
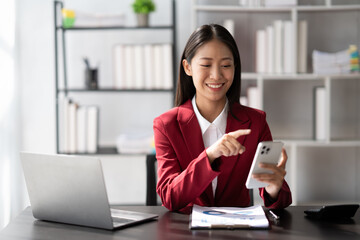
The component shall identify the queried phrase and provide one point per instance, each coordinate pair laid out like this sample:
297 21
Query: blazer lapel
228 163
190 129
191 132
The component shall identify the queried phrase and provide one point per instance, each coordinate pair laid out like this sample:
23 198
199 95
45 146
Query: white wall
37 81
36 73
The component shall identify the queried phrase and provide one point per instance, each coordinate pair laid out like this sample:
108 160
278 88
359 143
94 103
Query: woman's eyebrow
205 58
209 58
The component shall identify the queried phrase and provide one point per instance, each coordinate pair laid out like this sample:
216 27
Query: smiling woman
212 70
205 145
11 200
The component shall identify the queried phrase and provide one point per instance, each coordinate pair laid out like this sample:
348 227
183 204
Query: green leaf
143 6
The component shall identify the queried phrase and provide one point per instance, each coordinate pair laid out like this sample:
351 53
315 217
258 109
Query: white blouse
211 132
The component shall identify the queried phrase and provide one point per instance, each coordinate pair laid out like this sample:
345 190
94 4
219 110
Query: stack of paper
228 217
331 63
135 143
354 58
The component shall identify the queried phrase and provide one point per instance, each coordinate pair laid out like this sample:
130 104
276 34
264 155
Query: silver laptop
71 189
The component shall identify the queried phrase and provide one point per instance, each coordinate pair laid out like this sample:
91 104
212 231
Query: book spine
81 129
158 64
244 101
270 67
253 95
72 128
229 24
119 67
64 125
92 125
149 66
288 50
260 51
302 46
130 67
278 50
320 113
167 69
139 65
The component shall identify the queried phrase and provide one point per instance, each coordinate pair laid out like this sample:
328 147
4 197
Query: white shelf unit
116 116
318 171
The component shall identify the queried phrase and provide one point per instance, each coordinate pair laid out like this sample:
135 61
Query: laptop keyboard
121 220
123 217
118 217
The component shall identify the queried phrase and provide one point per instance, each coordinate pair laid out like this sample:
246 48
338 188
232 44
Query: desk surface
292 225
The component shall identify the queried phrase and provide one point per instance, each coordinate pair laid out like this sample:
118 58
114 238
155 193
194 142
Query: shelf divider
164 27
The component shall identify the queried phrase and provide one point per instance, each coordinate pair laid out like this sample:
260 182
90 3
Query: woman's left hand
275 179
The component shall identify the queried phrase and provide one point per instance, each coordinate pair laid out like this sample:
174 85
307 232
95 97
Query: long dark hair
185 86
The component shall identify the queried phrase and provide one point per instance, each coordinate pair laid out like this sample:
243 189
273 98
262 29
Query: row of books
143 66
79 127
275 50
341 62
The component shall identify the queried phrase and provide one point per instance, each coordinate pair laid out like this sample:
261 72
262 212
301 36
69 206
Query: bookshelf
63 66
288 98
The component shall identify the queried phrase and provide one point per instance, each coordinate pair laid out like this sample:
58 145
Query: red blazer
184 171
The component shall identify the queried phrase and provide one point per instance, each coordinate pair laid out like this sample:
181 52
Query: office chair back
151 196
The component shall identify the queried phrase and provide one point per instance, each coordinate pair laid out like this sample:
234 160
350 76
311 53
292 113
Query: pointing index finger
240 132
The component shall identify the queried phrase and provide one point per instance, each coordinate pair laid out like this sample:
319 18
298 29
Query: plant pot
142 20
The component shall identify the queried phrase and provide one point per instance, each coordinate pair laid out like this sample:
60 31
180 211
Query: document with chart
228 218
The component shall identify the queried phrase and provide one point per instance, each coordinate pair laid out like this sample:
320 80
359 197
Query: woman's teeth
215 86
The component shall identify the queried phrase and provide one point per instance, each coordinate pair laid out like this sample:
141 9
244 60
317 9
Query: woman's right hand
227 145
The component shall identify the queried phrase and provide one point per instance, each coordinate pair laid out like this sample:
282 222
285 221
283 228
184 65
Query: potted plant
142 8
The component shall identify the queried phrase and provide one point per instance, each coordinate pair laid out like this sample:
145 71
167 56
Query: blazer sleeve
284 198
178 187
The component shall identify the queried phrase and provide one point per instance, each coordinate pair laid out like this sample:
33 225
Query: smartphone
266 152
